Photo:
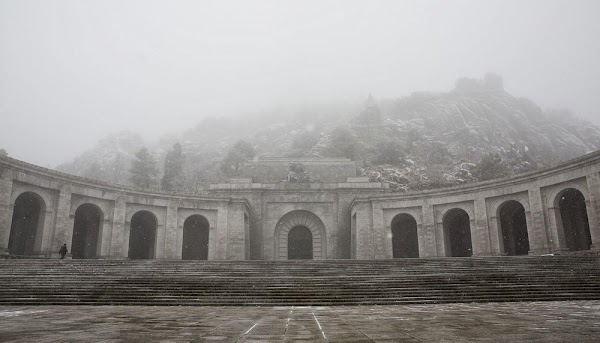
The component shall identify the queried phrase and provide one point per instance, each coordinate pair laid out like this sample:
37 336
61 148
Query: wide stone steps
268 283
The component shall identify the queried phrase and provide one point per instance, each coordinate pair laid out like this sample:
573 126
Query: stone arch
512 224
405 238
195 242
160 220
49 204
142 235
103 206
88 226
457 233
305 219
572 222
28 223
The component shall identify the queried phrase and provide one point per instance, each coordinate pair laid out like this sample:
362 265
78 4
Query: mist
72 72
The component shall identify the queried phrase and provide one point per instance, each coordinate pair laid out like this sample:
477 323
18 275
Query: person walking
63 251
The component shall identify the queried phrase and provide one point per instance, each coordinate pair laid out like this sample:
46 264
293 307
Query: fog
72 72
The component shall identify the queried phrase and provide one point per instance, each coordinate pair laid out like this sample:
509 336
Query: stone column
218 239
440 235
480 233
536 227
236 235
593 208
63 227
427 233
170 234
365 249
119 240
378 231
496 243
5 210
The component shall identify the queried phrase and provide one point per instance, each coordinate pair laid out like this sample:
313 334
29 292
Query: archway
457 230
513 226
142 236
575 225
195 238
405 240
27 223
300 244
86 231
303 219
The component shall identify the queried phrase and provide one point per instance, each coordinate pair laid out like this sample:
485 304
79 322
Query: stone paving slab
576 321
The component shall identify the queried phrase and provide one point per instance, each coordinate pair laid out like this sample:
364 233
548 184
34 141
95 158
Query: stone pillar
536 227
170 234
5 210
593 209
236 235
440 235
427 233
480 233
365 249
217 249
63 227
378 231
119 240
556 234
496 243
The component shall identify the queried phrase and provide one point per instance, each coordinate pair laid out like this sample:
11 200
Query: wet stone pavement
576 321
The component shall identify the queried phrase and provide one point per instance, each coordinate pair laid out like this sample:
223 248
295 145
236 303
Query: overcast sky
72 72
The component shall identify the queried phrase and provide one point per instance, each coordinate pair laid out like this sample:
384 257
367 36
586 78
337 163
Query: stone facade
347 216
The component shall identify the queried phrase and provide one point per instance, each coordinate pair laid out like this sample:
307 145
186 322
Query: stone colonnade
539 194
346 220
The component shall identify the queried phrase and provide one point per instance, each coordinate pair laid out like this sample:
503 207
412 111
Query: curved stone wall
354 217
539 193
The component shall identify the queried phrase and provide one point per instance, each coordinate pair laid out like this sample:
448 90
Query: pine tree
143 169
368 124
241 152
173 173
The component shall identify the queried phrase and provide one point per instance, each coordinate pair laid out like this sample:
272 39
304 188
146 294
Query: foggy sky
72 72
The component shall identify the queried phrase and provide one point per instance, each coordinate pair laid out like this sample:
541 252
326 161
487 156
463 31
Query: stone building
339 216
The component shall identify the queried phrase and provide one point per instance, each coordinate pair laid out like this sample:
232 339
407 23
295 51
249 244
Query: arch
195 238
142 235
27 224
573 221
40 192
300 244
405 239
513 228
87 231
307 220
457 233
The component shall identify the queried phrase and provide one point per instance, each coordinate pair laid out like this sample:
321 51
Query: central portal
300 235
300 245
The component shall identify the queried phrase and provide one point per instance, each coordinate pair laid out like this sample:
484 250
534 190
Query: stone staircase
270 283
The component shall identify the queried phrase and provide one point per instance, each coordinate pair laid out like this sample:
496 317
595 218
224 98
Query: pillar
5 210
236 233
170 234
217 249
119 240
539 242
593 208
428 233
365 249
63 227
480 233
378 231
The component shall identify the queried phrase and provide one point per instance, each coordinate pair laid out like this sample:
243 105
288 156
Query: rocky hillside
476 131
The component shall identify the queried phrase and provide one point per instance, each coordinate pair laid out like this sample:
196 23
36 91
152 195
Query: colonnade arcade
554 211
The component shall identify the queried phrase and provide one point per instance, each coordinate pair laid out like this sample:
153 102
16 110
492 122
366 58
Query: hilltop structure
265 216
